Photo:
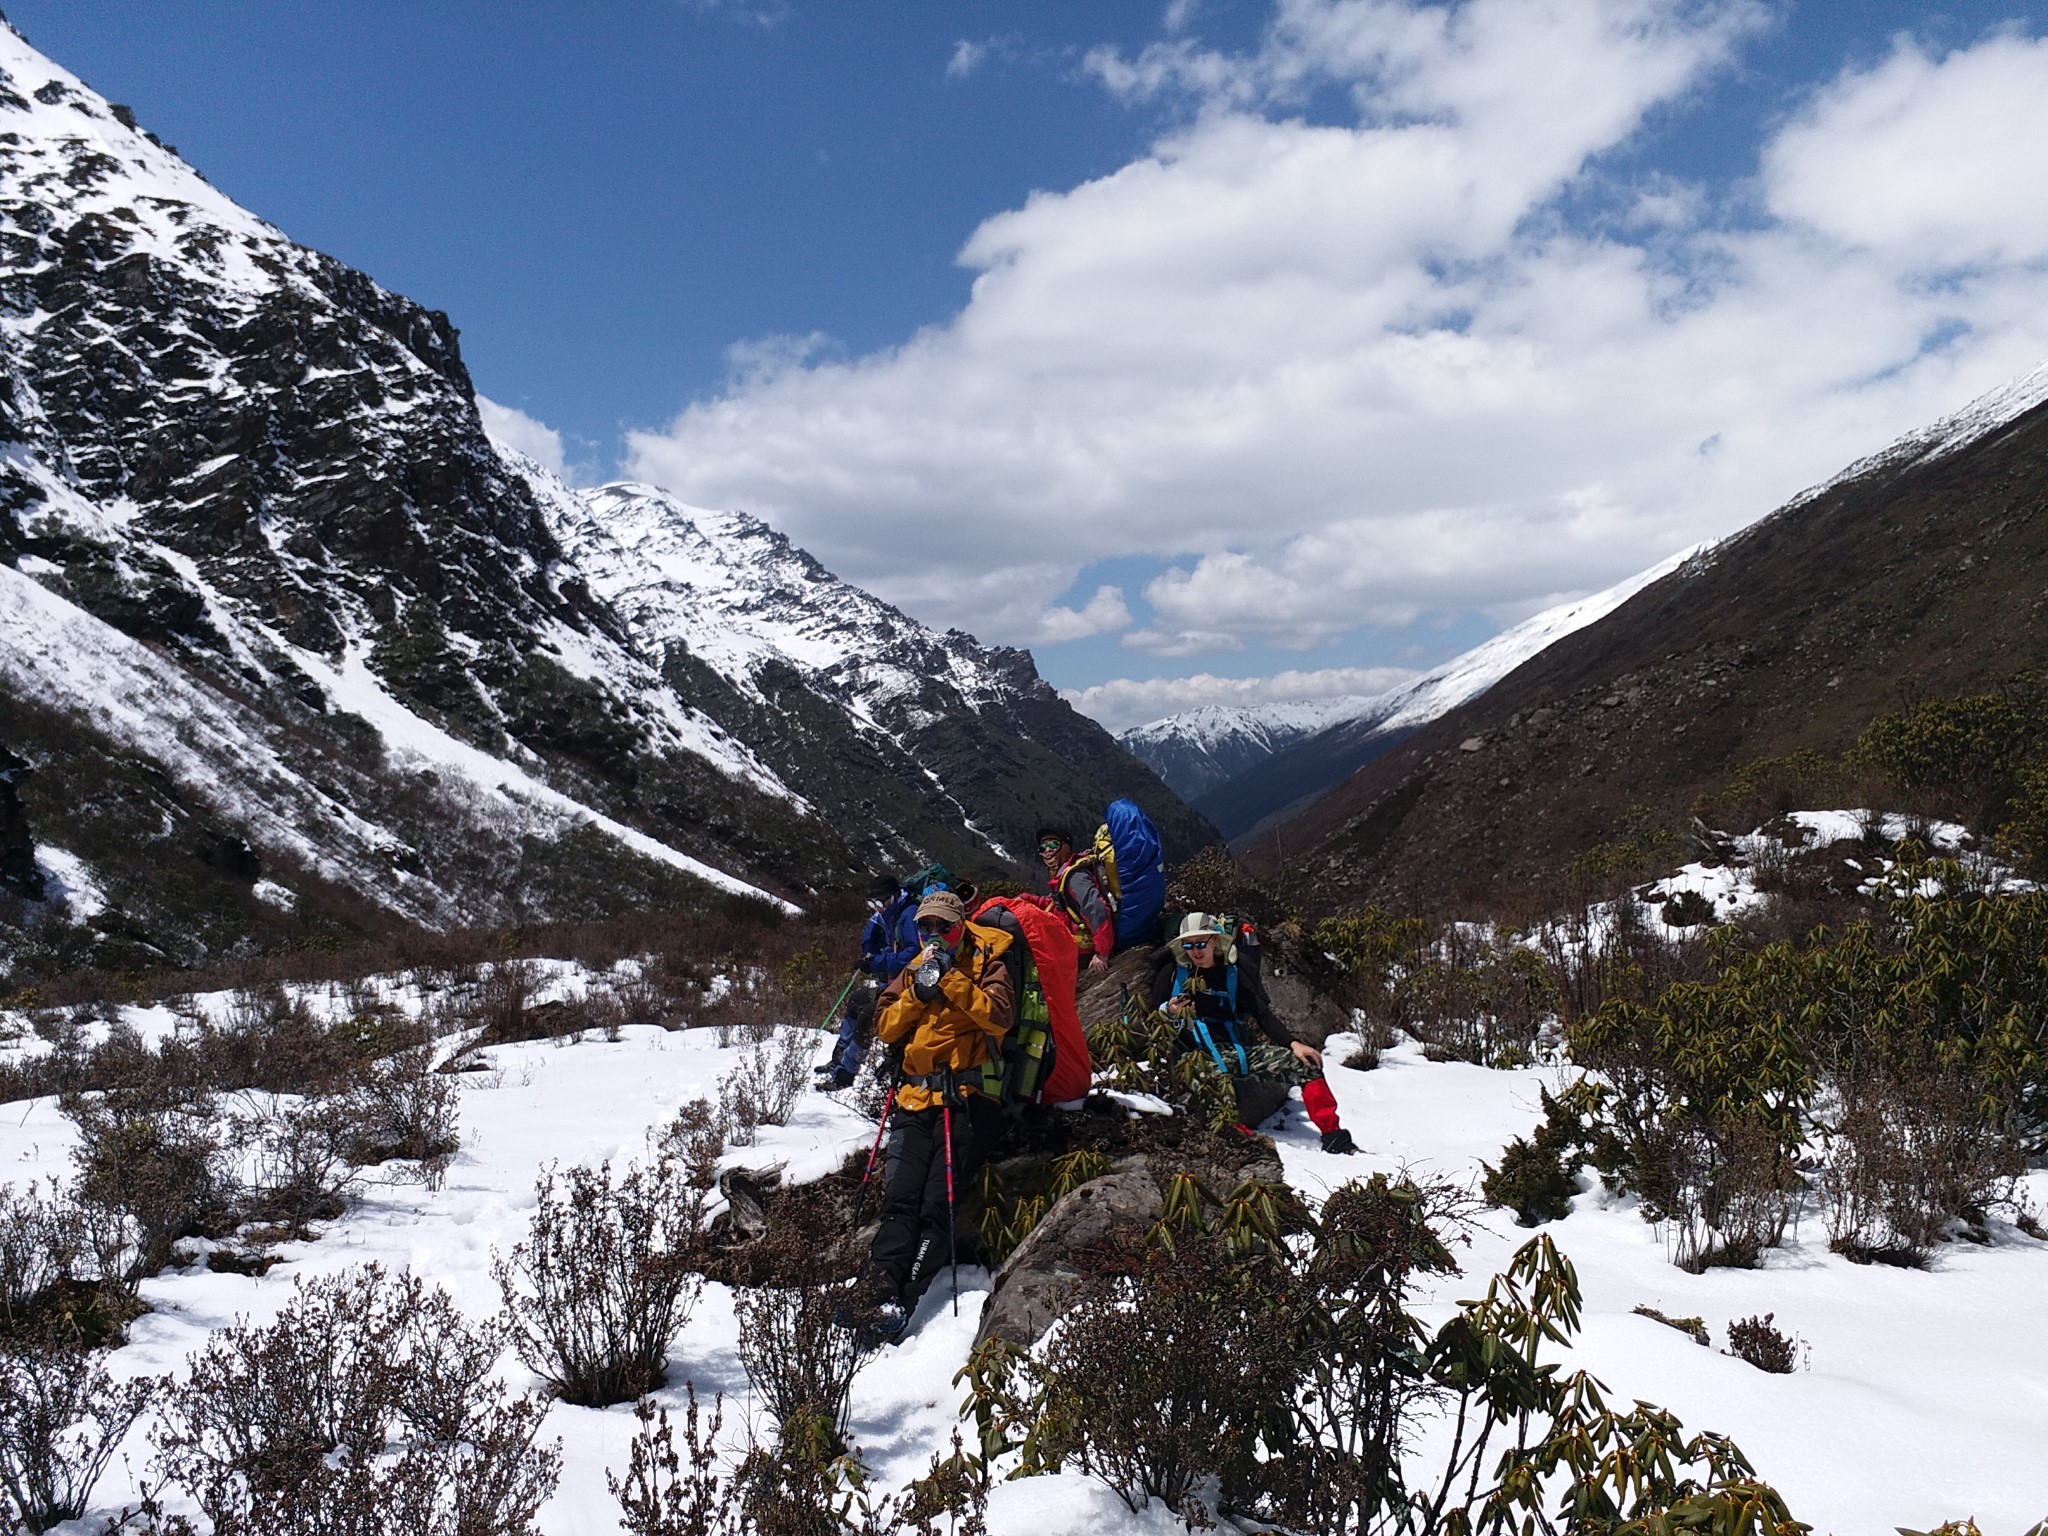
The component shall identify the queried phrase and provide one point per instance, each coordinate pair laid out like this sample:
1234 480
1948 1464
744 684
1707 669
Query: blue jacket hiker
889 941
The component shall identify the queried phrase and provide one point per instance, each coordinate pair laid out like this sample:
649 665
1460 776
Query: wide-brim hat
1200 925
945 905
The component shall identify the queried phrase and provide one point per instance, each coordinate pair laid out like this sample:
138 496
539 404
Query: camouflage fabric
1266 1060
1261 1092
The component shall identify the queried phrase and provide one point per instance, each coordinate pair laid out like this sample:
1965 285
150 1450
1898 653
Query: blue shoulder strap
1200 1029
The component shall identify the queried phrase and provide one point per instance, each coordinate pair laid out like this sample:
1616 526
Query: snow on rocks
1918 1396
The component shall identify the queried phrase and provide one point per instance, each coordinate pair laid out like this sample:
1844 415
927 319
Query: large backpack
1044 1057
1133 865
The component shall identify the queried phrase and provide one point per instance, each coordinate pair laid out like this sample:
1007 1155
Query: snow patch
67 882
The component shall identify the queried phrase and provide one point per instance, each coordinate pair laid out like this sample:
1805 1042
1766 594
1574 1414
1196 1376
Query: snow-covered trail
1923 1396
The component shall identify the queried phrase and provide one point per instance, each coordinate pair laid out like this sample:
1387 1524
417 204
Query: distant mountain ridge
1203 748
1916 572
1246 769
290 648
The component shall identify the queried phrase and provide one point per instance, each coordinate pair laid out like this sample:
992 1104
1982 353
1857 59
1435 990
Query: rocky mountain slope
1248 769
291 647
1917 572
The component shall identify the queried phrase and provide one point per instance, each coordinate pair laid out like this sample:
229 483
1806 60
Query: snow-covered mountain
278 620
1242 766
1200 749
1915 573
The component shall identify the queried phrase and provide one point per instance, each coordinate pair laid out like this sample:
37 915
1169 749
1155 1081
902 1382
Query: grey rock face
1037 1281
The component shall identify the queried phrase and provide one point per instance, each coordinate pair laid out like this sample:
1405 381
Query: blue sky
1245 403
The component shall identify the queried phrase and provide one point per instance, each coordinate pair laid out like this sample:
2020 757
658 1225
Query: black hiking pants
911 1246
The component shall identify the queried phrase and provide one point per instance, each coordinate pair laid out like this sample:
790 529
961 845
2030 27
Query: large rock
1042 1276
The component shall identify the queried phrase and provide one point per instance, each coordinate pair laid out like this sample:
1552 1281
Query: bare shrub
61 1418
298 1168
769 1082
1725 1192
404 1109
504 994
602 1282
797 1490
271 1040
42 1247
671 1493
1756 1340
366 1407
164 1170
1908 1157
801 1362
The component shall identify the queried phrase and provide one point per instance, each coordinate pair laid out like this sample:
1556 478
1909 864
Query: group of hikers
974 997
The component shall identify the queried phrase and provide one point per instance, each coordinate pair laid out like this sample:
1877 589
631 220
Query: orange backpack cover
1051 941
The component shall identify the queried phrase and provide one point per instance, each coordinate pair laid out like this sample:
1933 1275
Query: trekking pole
875 1150
851 982
952 1243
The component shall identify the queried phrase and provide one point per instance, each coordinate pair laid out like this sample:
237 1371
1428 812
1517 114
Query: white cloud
1941 162
1337 375
967 57
1104 614
1127 701
753 13
519 431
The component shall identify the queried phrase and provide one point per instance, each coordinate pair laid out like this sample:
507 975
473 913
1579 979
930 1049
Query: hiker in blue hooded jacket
889 941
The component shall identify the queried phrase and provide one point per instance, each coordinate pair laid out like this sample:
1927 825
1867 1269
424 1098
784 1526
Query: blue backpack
1133 863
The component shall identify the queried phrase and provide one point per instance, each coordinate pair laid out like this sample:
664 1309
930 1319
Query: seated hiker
1197 981
945 1014
890 937
1076 885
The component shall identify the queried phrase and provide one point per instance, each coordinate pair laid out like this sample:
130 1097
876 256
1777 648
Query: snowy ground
1921 1397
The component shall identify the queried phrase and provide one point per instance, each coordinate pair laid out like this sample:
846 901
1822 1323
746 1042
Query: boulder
1037 1281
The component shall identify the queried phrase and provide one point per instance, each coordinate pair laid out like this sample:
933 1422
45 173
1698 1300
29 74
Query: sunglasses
933 928
1197 943
1050 847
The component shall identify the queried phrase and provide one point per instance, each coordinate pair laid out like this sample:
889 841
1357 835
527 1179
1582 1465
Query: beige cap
943 904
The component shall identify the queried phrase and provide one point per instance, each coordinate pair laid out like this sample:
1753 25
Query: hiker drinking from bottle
944 1016
1076 885
1214 993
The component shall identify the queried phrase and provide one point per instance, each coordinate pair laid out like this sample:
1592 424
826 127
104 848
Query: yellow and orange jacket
960 1030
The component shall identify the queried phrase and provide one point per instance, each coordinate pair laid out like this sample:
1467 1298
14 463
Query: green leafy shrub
1315 1377
1537 1176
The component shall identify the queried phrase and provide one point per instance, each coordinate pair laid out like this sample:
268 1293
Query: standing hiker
890 937
1199 981
946 1014
1076 884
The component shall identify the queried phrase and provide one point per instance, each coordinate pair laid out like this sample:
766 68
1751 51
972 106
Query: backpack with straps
1018 1065
1044 1057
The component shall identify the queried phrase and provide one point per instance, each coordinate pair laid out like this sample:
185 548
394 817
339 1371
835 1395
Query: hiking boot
1339 1140
888 1322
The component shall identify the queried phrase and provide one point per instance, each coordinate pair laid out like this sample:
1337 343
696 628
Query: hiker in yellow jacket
947 1011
